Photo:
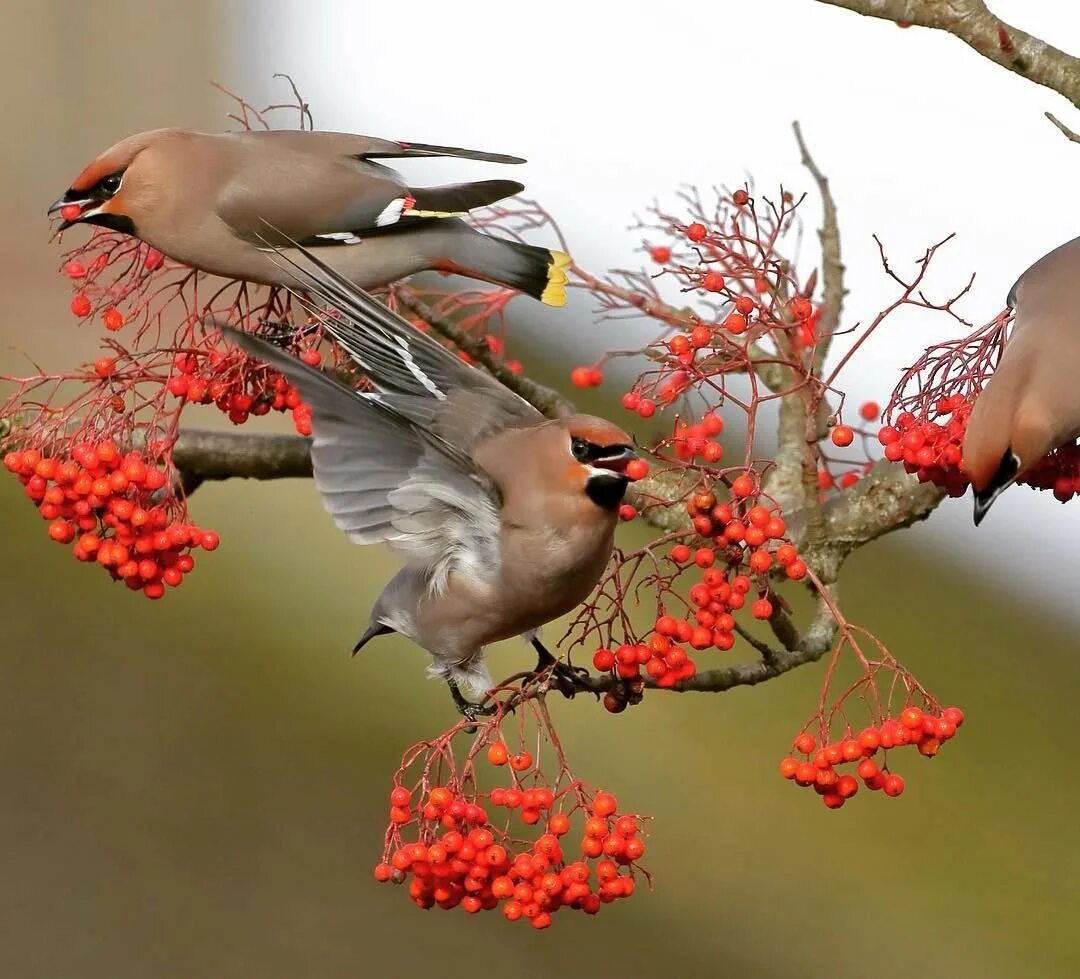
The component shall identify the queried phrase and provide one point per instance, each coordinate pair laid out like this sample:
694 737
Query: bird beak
1008 470
983 501
617 461
69 200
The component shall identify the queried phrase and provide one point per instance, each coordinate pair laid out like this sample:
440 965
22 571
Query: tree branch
973 23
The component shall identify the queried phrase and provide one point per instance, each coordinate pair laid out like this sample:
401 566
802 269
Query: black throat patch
114 222
606 490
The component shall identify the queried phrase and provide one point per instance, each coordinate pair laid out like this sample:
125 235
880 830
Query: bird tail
538 272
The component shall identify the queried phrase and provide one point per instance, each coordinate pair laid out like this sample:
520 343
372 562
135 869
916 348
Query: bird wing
416 375
368 147
326 188
384 478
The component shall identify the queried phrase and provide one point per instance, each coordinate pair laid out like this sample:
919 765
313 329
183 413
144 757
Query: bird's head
113 188
1005 437
598 454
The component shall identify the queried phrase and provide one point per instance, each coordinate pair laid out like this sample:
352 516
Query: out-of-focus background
197 787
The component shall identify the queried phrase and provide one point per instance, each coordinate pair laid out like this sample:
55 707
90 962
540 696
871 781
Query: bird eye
110 184
580 449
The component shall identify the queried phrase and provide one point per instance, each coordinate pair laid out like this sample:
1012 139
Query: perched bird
217 202
1031 404
505 519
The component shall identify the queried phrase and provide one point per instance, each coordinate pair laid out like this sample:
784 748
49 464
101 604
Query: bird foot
467 708
568 680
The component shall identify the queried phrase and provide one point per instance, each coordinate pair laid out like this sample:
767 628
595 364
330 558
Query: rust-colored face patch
92 175
598 431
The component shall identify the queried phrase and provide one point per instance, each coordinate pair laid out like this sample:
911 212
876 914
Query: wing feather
383 478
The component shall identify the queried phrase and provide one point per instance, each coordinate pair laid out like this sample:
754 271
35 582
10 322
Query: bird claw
568 680
473 711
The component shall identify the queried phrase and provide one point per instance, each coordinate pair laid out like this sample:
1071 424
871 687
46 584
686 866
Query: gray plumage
496 520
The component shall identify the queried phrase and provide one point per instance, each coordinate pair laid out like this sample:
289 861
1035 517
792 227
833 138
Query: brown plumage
505 519
1031 404
220 202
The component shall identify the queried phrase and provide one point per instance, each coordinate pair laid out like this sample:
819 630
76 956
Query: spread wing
416 375
385 478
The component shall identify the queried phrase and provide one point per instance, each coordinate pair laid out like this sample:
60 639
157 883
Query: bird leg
466 707
568 679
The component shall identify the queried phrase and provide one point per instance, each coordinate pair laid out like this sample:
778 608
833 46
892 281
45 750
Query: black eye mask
585 451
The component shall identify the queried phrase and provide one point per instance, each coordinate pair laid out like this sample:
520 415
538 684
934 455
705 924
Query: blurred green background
197 787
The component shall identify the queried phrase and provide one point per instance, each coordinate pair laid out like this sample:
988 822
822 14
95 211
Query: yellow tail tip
554 293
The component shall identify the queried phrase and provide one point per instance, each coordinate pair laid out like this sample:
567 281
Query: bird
1031 403
218 202
504 519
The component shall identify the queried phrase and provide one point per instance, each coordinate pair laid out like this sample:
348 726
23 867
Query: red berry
603 660
700 337
740 198
604 804
696 232
712 282
911 718
953 714
735 324
80 305
637 469
581 377
660 254
867 769
842 436
761 609
627 512
869 410
846 786
742 486
113 319
893 786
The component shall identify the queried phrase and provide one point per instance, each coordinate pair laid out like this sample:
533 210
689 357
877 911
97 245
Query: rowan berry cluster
924 730
930 447
106 503
459 846
239 388
742 544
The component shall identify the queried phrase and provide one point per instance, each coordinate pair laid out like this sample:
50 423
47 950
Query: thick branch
202 455
973 23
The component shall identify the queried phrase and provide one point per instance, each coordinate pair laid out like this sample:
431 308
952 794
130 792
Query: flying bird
221 202
1031 404
505 520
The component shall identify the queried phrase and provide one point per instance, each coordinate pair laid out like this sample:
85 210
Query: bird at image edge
208 200
505 519
1029 406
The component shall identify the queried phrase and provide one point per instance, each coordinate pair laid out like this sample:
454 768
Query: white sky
615 104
